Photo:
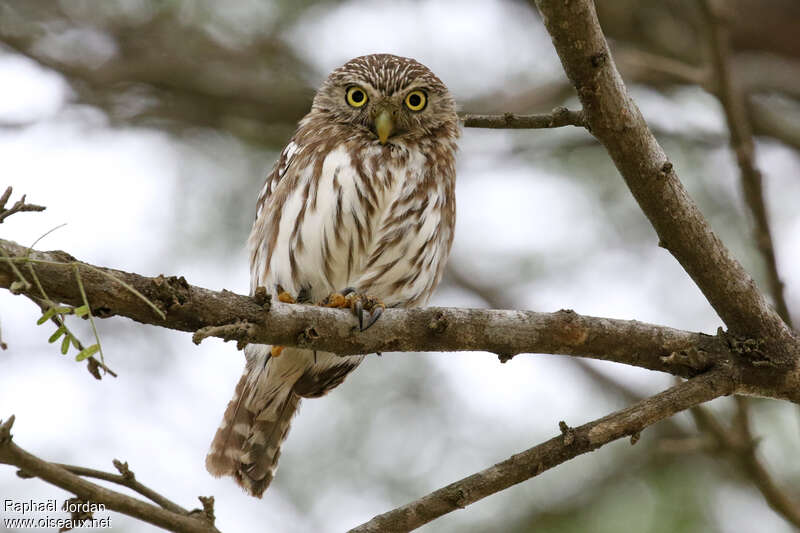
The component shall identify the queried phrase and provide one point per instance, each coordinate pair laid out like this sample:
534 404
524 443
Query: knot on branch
309 334
207 512
263 298
693 357
505 357
569 330
598 60
567 432
561 116
748 348
438 323
458 498
169 292
123 469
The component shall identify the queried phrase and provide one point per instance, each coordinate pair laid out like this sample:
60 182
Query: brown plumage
362 197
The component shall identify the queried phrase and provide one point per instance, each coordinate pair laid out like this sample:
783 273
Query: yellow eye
356 96
416 100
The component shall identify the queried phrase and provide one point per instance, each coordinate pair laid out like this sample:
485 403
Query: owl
357 212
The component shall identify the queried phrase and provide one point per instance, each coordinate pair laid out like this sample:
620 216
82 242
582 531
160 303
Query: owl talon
358 310
374 316
367 309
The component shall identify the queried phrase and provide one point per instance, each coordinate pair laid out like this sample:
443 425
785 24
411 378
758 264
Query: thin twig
127 479
741 140
532 462
559 117
177 519
740 445
18 207
739 441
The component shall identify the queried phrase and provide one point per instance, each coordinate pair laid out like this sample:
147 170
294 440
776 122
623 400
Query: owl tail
248 442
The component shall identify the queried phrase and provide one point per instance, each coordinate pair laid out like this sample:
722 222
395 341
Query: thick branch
236 317
615 120
532 462
244 319
561 116
741 139
11 454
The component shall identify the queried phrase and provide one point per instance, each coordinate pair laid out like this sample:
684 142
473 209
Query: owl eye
416 100
356 96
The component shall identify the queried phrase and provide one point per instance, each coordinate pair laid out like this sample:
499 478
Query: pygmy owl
360 205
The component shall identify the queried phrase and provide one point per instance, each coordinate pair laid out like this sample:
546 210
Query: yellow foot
286 298
366 308
275 351
336 300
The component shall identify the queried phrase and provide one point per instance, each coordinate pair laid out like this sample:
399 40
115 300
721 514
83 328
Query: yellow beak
384 125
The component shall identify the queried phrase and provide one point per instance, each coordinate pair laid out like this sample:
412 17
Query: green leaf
87 352
54 337
46 316
81 311
75 342
62 310
65 344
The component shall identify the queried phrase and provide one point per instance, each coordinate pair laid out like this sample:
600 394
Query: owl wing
274 177
265 225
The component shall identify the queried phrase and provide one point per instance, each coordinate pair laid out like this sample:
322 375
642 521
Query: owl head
388 96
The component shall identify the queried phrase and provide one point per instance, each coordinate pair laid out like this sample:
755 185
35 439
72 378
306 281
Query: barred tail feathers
247 443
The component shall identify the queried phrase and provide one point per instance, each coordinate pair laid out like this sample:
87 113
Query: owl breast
375 218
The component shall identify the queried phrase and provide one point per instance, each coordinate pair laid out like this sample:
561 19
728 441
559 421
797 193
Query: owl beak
384 125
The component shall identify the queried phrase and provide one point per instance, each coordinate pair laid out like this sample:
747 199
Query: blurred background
147 127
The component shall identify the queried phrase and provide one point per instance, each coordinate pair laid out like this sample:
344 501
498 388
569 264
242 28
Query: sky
120 195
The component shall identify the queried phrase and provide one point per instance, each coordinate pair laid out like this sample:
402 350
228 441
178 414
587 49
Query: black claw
358 309
374 316
348 290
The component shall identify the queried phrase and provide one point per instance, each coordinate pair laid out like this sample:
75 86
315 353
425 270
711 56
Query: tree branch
615 120
741 140
560 116
174 519
19 205
173 303
126 478
741 447
532 462
235 317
